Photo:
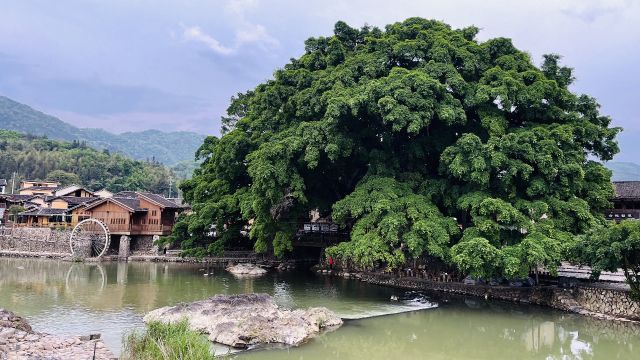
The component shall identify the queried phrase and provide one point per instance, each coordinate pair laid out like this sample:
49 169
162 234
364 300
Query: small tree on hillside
63 177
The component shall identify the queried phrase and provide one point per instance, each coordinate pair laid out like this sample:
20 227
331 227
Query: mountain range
623 171
175 149
168 148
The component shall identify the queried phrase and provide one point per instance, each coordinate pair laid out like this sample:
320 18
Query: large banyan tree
421 140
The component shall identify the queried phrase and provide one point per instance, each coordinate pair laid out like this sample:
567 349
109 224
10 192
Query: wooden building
45 217
36 187
75 191
104 193
67 202
8 200
626 204
135 213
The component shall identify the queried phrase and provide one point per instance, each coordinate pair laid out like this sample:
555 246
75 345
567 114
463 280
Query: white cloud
592 10
194 33
246 32
255 33
239 7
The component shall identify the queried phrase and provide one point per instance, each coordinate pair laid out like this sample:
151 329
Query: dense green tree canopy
609 248
419 139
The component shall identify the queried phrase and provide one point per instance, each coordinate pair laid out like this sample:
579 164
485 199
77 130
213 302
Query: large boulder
243 321
246 270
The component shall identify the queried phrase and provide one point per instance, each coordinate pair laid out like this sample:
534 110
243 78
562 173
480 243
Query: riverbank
599 300
221 260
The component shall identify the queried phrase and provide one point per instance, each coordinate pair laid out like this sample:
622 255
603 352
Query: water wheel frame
76 230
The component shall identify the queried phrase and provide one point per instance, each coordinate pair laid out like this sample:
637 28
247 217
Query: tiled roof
36 188
71 188
131 203
627 189
161 200
156 198
44 212
72 200
126 194
40 181
18 198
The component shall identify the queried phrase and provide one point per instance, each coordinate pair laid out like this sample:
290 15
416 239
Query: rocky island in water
247 320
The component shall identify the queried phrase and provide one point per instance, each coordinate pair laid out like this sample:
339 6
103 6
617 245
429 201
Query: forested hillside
74 162
166 147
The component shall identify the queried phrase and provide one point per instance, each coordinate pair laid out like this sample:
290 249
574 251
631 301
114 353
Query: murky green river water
111 298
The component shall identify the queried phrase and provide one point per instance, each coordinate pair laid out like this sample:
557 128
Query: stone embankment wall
46 242
598 300
613 302
144 245
35 240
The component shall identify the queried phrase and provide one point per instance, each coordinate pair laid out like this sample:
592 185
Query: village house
75 191
3 205
135 213
104 193
626 204
44 217
9 200
50 211
37 187
124 213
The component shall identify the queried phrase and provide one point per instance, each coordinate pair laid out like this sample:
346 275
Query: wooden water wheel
90 238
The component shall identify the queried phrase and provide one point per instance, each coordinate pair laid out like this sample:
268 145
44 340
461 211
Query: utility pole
13 182
170 186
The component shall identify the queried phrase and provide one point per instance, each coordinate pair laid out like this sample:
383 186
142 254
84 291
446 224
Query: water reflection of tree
456 332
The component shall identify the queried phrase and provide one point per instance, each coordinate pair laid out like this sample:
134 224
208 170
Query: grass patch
163 341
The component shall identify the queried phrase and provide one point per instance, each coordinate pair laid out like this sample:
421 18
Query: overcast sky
173 65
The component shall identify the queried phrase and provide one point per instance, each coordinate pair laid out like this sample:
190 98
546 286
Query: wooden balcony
139 229
115 229
622 214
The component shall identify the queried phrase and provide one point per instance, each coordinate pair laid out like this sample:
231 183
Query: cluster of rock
339 273
246 269
286 266
243 321
18 341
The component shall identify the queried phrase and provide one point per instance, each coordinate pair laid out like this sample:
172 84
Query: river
111 298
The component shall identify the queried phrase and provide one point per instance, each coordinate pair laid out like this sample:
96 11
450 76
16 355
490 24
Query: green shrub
163 341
